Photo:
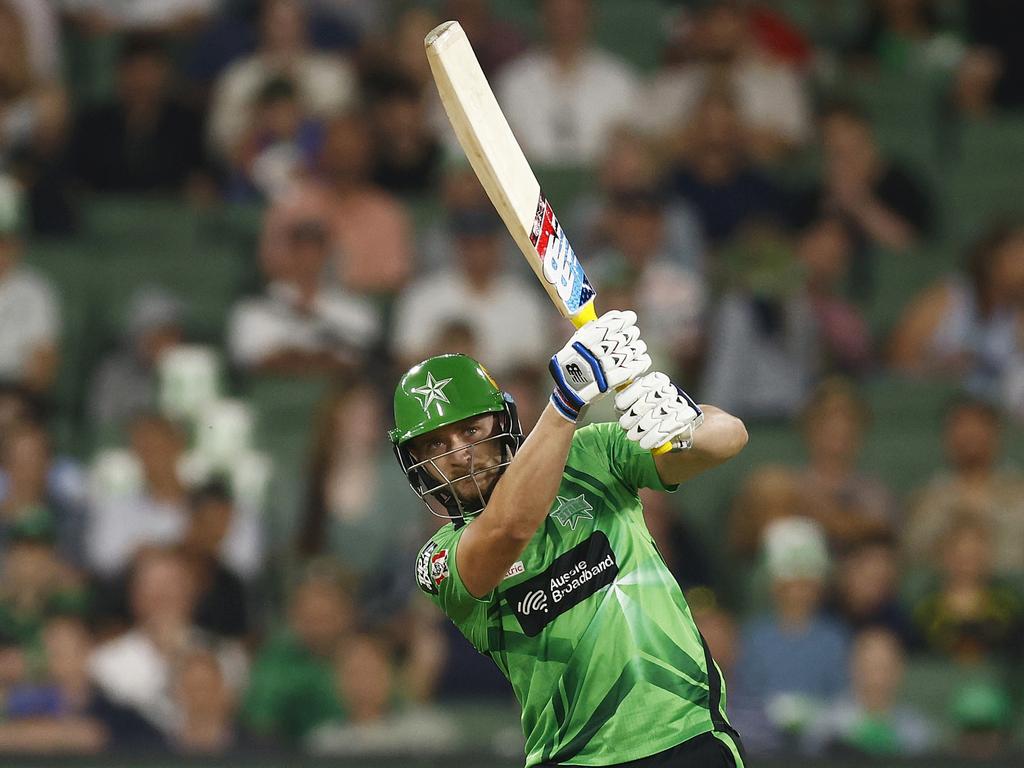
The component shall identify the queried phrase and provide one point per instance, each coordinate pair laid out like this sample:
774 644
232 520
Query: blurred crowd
167 581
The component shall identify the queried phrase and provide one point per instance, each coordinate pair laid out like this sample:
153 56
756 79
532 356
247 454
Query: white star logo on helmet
432 392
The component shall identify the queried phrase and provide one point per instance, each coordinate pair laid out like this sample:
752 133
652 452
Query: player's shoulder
598 436
432 559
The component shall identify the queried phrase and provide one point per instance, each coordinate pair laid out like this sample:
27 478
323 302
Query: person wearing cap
793 658
125 381
477 291
29 312
300 326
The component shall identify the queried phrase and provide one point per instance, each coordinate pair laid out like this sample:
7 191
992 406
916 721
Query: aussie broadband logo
568 581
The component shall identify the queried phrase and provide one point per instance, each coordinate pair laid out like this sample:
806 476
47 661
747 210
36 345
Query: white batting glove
602 355
654 411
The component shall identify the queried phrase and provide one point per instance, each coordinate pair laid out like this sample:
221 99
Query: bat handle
587 313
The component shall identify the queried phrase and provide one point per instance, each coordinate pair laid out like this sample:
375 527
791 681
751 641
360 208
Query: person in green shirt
546 564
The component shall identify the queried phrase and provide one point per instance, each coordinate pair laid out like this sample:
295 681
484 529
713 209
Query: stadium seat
983 181
70 268
286 422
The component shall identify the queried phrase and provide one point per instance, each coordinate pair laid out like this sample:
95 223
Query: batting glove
602 355
654 411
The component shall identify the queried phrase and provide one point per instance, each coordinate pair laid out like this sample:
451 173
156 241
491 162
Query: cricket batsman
546 564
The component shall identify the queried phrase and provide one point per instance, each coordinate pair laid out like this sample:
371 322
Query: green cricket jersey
589 626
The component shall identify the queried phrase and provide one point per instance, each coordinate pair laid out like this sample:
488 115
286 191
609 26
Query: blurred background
226 226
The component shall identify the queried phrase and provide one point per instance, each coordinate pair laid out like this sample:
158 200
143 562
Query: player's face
456 450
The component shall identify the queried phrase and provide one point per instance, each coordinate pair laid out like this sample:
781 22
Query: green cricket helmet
436 393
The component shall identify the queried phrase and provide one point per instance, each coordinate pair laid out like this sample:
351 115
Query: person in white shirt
562 100
771 96
326 83
137 669
29 312
300 326
507 313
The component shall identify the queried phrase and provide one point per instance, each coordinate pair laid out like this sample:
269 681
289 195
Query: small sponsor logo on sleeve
439 567
516 569
424 567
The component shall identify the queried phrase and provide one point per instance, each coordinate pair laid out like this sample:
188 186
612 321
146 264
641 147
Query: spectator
407 154
478 291
33 481
983 714
170 17
496 42
221 600
637 269
974 481
883 203
125 381
764 349
278 148
136 669
793 659
352 512
156 511
714 174
302 326
722 51
770 493
630 163
156 514
33 113
971 616
826 253
292 689
368 231
207 705
562 100
28 348
326 84
866 590
869 720
680 546
17 406
377 723
145 139
849 504
64 711
41 27
967 326
991 74
906 36
35 581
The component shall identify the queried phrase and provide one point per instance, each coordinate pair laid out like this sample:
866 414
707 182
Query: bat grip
587 313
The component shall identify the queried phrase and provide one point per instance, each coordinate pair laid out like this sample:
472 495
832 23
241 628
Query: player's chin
470 490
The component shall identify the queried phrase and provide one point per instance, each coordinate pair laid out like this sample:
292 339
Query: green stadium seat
564 185
983 181
930 684
69 267
286 421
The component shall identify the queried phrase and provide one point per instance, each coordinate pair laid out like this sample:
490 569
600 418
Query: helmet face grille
429 481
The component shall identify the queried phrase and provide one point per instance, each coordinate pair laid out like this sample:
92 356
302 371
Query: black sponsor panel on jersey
567 582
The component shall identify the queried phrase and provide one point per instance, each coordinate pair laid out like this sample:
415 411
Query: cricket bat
506 176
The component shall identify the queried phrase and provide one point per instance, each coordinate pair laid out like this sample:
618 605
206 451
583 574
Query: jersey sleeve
627 461
438 576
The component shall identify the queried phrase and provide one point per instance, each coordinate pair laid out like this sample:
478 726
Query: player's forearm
718 439
523 496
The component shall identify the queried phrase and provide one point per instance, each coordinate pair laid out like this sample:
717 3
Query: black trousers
704 751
